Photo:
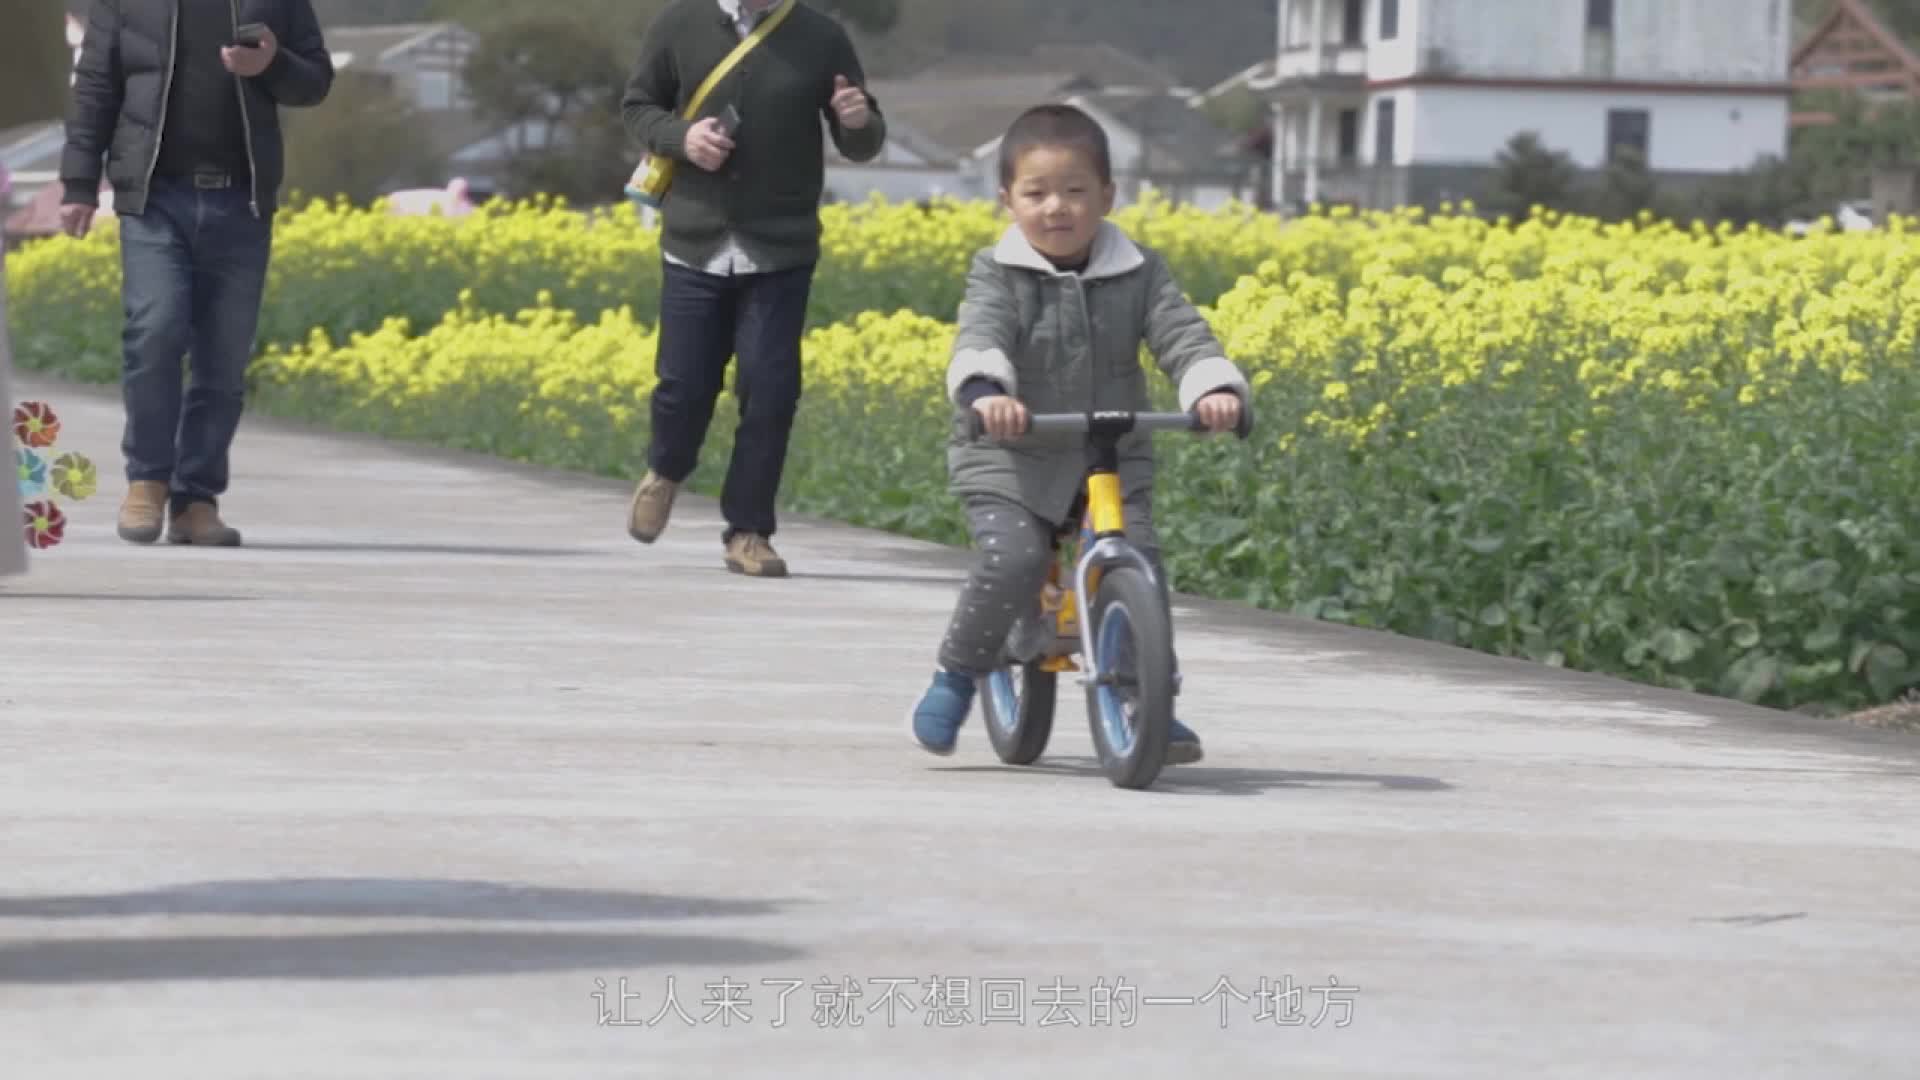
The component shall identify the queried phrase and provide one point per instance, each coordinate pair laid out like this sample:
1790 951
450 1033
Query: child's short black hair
1055 125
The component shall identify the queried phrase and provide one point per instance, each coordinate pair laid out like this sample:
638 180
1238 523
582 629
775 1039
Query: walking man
181 101
740 240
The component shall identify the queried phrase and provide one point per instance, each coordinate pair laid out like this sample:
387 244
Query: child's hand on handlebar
1003 416
1220 411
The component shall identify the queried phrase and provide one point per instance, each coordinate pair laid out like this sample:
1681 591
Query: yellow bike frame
1105 516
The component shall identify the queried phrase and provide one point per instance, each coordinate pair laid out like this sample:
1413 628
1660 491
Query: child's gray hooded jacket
1065 342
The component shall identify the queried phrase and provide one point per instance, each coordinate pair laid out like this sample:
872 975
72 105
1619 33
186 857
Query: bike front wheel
1130 704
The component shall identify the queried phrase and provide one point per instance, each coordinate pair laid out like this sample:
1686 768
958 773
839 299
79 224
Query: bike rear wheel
1130 705
1018 702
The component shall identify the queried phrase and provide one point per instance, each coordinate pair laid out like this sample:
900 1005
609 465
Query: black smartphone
730 120
250 35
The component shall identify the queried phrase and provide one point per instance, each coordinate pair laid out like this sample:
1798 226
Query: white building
1384 102
944 126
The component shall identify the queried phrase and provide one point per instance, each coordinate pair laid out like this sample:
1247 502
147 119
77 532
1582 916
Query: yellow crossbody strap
649 183
767 26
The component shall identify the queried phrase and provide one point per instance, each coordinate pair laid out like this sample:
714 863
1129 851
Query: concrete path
396 790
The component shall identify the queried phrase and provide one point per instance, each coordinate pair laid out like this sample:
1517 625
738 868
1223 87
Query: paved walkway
393 791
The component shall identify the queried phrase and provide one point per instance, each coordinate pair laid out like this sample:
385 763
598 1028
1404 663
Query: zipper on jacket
246 125
1093 357
166 88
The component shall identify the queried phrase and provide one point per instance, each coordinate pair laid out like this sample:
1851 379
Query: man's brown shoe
143 512
752 555
652 507
200 525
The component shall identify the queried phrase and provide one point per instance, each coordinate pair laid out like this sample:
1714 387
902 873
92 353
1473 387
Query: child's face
1058 201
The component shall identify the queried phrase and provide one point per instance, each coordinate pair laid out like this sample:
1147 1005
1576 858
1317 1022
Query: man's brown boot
652 507
752 555
200 525
143 512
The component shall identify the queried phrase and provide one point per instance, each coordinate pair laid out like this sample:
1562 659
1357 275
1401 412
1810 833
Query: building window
1383 136
1349 136
1354 26
1389 19
1600 15
1628 128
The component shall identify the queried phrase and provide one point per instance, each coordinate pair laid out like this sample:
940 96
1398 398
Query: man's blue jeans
194 266
705 321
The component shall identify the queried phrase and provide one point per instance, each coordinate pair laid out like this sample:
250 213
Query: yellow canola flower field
1681 454
344 269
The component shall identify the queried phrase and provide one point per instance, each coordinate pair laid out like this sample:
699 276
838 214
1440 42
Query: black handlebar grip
977 424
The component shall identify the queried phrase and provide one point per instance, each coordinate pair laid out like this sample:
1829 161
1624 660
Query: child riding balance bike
1046 365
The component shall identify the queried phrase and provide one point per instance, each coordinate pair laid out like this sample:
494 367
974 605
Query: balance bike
1110 617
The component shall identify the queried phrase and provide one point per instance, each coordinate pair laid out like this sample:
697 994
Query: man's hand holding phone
253 50
710 141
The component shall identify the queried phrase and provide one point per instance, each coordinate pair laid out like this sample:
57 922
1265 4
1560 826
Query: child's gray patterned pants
1014 549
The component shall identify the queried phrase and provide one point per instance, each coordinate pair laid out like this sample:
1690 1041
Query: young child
1053 321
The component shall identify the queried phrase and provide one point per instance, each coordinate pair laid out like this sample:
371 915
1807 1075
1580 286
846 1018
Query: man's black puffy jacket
120 88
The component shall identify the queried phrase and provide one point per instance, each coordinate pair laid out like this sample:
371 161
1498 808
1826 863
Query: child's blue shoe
1183 746
942 711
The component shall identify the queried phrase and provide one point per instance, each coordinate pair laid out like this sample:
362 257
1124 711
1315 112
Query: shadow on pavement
947 582
478 550
380 898
162 598
402 954
1176 778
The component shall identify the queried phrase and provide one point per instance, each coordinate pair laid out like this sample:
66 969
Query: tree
1900 16
33 79
1627 186
1769 194
614 24
551 77
365 142
873 16
553 84
371 12
1530 175
625 20
1837 159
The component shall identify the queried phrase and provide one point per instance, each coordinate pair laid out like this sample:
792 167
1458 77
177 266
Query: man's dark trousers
704 320
194 265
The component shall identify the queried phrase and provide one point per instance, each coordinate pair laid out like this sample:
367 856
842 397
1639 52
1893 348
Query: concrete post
1314 110
1277 116
1276 112
1313 149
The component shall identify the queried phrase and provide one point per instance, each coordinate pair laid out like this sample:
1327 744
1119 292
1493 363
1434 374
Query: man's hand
248 61
1004 416
707 144
76 219
1220 411
849 104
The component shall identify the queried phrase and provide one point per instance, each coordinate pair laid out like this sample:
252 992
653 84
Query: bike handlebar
1107 422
